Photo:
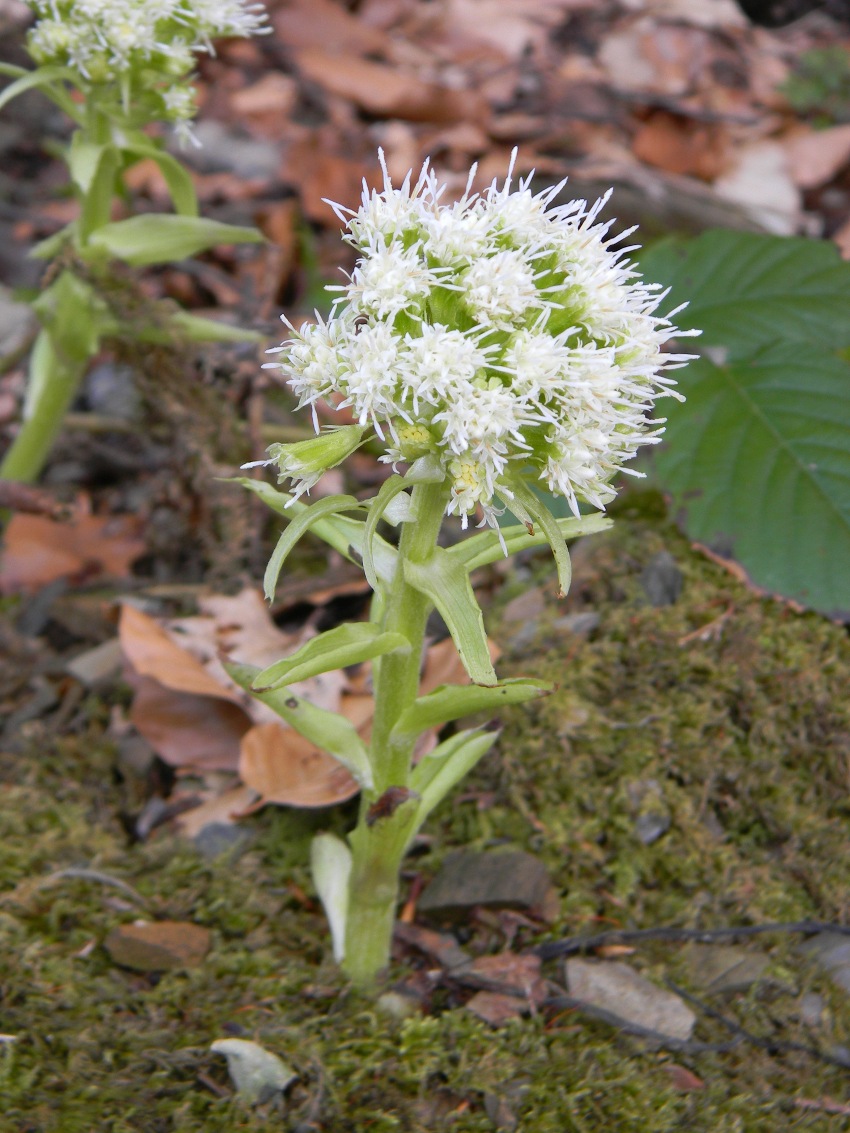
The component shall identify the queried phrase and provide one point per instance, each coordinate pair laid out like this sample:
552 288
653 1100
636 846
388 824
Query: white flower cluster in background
139 42
504 335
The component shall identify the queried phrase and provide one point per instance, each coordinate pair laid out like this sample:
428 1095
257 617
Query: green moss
726 712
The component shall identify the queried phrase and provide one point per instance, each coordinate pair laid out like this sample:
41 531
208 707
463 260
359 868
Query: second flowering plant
499 349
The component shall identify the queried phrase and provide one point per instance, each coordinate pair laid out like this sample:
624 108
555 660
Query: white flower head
144 46
503 333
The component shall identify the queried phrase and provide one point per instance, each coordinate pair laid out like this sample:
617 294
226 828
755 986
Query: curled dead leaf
283 767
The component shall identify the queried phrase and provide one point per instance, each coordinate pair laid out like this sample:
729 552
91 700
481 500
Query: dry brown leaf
187 730
225 808
816 156
678 145
443 665
37 550
842 239
152 653
513 27
283 767
389 93
321 23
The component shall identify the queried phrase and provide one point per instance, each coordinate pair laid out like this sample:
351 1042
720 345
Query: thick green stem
57 381
378 845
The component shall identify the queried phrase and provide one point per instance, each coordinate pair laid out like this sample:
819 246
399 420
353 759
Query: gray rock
811 1009
619 991
17 323
217 838
831 952
651 826
661 580
224 150
110 390
582 625
495 880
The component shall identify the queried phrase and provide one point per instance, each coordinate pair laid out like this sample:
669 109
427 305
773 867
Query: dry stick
772 1046
573 945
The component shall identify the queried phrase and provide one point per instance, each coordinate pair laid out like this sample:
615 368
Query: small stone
500 880
158 946
650 827
619 991
218 838
662 580
726 969
256 1073
398 1006
525 607
110 391
99 665
831 951
811 1009
224 150
581 625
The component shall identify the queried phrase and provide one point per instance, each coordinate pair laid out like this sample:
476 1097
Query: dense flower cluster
151 41
500 333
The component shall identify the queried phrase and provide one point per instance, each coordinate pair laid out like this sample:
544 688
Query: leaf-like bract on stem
327 730
298 525
348 644
446 583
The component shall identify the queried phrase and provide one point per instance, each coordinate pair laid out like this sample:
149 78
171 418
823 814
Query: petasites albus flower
143 48
504 333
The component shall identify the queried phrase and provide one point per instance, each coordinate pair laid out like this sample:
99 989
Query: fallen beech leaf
677 145
683 1079
283 767
274 94
38 550
387 92
187 730
222 810
152 653
322 23
495 1008
816 156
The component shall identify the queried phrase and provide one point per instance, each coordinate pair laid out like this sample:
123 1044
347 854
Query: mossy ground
731 707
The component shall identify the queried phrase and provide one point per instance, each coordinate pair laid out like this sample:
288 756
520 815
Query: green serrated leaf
451 702
445 581
327 730
335 649
746 291
298 525
157 238
758 463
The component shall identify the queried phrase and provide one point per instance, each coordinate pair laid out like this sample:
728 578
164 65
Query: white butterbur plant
499 349
116 70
